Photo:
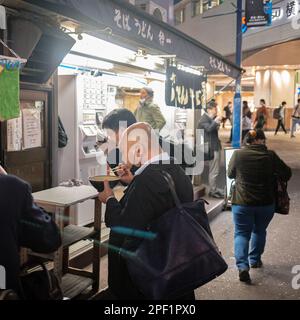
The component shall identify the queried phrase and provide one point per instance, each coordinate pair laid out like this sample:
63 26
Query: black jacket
211 132
146 198
16 204
254 168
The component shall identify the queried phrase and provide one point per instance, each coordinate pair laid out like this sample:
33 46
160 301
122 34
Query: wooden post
97 245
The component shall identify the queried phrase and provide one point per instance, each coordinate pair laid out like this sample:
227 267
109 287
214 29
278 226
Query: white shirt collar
161 157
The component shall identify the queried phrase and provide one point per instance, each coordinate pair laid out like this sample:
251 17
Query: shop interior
95 78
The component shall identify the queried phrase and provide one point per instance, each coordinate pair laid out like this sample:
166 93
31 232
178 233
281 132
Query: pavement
274 280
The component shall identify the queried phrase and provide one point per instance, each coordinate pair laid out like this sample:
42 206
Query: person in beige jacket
149 112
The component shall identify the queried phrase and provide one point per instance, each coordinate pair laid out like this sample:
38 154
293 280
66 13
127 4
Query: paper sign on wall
14 134
32 132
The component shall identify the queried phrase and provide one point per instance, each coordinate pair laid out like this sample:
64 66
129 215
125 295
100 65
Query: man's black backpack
276 113
62 136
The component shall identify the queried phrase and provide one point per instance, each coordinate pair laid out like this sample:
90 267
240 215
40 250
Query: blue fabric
294 123
250 233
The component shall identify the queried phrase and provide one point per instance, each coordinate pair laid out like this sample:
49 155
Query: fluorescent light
75 60
156 76
99 48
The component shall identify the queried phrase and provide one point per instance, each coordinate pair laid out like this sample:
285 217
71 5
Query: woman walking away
247 120
261 115
279 114
253 201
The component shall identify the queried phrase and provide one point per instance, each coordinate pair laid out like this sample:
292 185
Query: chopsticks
116 170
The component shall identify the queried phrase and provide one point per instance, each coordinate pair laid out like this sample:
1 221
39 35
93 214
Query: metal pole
237 110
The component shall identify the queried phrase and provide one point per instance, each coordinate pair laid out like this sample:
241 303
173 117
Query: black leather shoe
244 276
257 265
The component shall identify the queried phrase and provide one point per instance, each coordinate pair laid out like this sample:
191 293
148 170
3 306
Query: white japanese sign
140 27
286 10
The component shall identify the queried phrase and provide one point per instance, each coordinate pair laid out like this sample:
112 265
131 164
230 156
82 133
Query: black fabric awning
133 28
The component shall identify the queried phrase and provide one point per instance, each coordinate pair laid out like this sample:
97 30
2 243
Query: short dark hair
263 101
283 103
253 135
112 120
149 91
211 105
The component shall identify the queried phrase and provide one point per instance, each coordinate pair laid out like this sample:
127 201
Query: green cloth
150 113
9 94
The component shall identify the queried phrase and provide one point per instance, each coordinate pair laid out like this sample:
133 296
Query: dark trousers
280 124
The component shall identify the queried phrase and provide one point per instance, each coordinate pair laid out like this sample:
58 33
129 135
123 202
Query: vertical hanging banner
9 93
258 13
184 89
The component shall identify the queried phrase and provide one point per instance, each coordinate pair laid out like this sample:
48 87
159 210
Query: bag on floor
182 257
40 284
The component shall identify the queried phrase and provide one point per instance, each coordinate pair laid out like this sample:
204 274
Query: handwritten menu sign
14 134
32 132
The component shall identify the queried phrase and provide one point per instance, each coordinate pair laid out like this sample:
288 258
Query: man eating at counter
147 197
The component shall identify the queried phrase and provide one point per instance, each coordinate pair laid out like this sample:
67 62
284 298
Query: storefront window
142 7
200 6
196 7
180 16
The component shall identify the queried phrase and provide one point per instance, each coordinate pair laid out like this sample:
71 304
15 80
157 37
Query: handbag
282 199
40 284
182 257
62 135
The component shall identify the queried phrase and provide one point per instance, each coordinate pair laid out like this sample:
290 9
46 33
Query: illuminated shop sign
184 89
281 13
258 13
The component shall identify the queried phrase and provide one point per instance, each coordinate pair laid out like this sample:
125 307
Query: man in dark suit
16 204
146 199
210 123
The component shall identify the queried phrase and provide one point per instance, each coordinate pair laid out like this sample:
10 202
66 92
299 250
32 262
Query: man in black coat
210 123
16 204
147 198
